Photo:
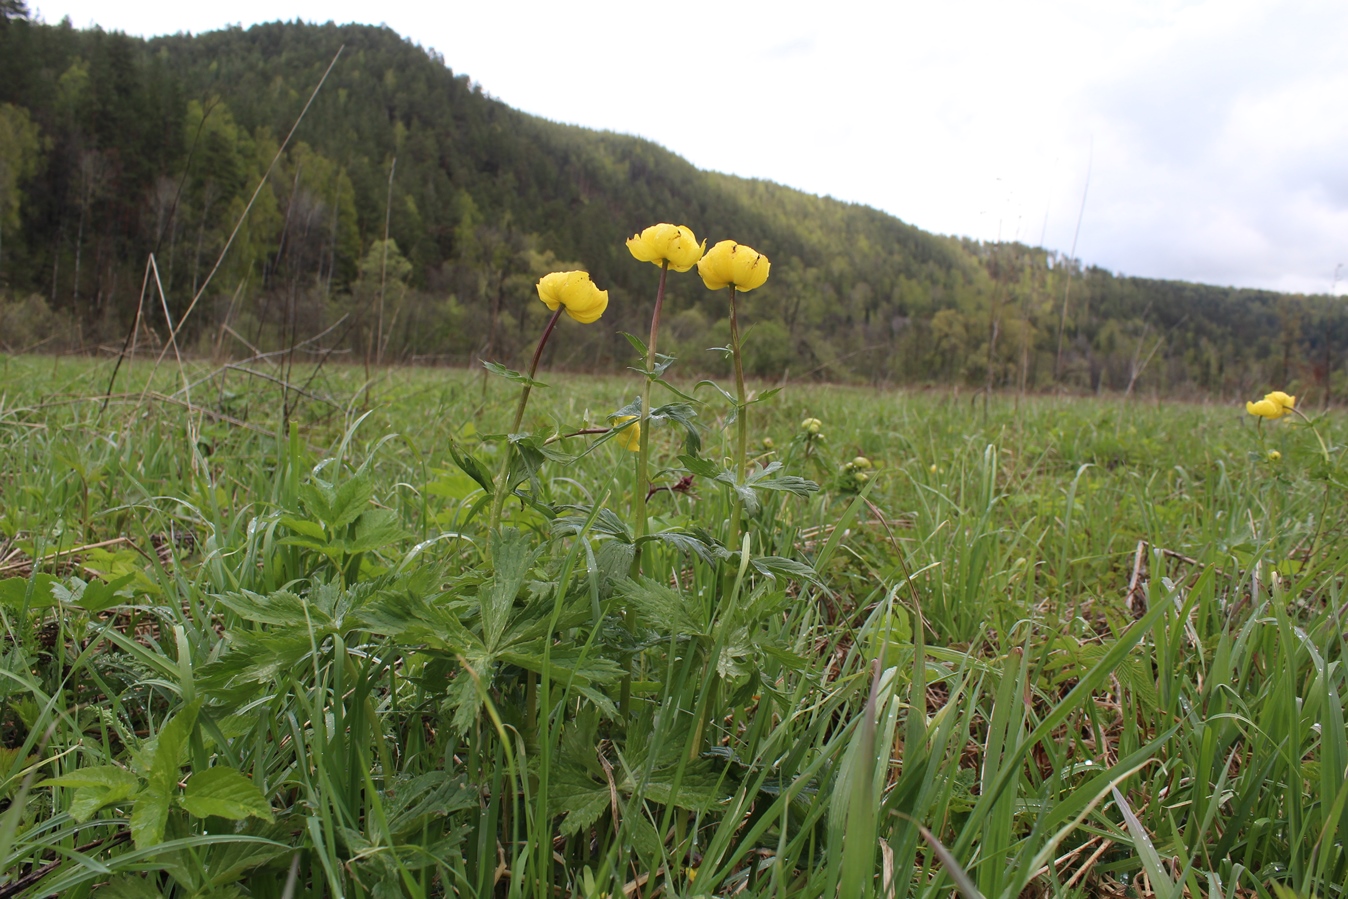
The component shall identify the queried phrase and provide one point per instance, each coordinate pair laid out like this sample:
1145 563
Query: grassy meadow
259 640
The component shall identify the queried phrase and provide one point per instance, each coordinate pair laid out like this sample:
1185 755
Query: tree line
410 214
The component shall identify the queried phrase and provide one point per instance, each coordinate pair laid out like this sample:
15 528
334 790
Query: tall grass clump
580 637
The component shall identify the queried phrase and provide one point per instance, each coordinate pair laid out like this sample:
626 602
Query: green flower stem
503 474
644 452
741 422
1324 450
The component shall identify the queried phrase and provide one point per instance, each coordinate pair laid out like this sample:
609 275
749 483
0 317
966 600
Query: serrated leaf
664 607
470 466
225 793
703 468
99 776
280 608
777 565
98 596
512 559
304 527
703 546
375 529
511 375
14 590
149 817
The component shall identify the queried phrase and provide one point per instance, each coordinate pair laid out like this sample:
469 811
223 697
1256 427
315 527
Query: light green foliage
1064 647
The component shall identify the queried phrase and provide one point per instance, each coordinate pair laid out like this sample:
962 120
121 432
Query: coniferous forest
409 215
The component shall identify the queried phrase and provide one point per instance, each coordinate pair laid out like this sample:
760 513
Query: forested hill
113 148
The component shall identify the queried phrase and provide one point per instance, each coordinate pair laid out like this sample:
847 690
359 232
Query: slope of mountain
117 148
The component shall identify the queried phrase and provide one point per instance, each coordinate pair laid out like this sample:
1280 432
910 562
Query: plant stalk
644 452
741 422
503 474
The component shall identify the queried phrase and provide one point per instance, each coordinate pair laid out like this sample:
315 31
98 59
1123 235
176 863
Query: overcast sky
1214 133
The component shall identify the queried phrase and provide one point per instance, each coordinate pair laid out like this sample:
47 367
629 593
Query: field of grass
260 641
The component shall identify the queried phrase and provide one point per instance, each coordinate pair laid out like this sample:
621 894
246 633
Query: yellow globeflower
732 263
1273 405
1288 403
662 243
629 438
575 292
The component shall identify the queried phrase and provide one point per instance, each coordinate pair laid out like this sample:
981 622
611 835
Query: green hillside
114 148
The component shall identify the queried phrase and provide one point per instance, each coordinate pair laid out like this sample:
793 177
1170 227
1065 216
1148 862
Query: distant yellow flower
731 263
575 292
629 438
1274 456
661 243
1273 405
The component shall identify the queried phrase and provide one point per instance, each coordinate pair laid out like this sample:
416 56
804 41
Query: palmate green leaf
512 558
336 506
606 523
414 800
282 608
415 619
375 529
664 608
566 665
257 657
98 596
225 793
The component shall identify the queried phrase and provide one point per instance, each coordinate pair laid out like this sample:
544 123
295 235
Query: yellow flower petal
1287 403
662 243
575 292
1265 409
732 263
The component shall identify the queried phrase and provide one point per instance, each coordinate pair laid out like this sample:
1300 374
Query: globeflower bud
861 463
629 438
811 426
